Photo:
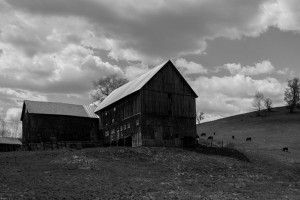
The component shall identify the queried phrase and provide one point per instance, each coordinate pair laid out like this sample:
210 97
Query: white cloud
47 48
228 95
148 31
190 67
13 114
264 67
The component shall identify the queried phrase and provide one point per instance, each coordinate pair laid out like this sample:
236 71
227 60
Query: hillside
142 173
270 133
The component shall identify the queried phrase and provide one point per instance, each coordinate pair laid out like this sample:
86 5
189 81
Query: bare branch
258 102
103 87
291 94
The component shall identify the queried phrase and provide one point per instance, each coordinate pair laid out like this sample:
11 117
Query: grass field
270 133
143 173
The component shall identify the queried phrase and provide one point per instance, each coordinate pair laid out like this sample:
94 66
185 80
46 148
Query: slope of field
270 133
142 173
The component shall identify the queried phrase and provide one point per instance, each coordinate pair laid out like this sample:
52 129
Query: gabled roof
10 140
56 108
133 86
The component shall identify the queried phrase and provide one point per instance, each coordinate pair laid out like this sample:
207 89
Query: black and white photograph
150 99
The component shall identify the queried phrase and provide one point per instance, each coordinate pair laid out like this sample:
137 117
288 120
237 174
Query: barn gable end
161 107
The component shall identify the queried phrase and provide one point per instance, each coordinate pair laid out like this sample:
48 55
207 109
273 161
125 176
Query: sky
227 50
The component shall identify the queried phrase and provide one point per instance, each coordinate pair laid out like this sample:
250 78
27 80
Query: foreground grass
142 173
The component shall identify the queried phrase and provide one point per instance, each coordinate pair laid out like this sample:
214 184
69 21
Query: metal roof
134 86
129 87
10 140
56 108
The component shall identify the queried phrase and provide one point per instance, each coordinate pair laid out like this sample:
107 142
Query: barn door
137 139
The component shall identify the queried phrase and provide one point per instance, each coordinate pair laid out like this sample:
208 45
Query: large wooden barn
156 109
53 122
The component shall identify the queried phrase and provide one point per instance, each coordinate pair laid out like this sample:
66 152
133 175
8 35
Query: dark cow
248 139
203 134
285 149
232 137
210 138
214 133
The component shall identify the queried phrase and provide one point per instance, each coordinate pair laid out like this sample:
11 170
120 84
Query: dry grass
142 173
270 133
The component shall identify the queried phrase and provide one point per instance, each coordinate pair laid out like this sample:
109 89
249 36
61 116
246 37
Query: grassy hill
142 173
270 133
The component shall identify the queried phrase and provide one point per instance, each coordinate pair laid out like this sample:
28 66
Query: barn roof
133 86
10 140
56 108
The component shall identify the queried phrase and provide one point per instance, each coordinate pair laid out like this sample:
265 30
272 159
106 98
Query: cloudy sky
227 49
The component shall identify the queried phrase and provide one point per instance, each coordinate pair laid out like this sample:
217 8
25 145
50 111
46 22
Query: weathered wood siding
168 108
44 128
121 120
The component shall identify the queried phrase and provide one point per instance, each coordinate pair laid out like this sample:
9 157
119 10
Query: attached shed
156 109
9 144
53 122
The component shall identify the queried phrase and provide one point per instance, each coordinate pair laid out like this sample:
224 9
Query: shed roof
10 140
133 86
56 108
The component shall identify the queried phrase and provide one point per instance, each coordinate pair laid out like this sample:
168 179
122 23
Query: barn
9 144
156 109
53 122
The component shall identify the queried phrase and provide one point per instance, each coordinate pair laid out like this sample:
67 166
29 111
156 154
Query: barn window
105 113
113 133
115 109
106 133
137 122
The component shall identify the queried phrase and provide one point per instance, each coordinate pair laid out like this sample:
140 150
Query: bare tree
200 117
104 86
15 128
291 94
258 102
268 104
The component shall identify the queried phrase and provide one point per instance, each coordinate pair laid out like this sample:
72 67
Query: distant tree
268 104
200 116
258 102
104 86
291 94
2 127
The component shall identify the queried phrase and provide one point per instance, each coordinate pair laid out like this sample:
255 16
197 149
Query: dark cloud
162 29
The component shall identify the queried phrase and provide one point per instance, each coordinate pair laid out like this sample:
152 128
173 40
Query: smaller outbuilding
44 122
9 144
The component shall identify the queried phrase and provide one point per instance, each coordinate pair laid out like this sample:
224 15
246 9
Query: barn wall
44 128
168 109
121 120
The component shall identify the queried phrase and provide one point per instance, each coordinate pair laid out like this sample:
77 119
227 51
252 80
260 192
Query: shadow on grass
222 151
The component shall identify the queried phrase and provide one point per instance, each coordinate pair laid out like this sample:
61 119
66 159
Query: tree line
291 97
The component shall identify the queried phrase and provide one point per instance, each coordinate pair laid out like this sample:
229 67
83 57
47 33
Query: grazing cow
232 137
285 149
210 138
203 134
214 133
248 139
